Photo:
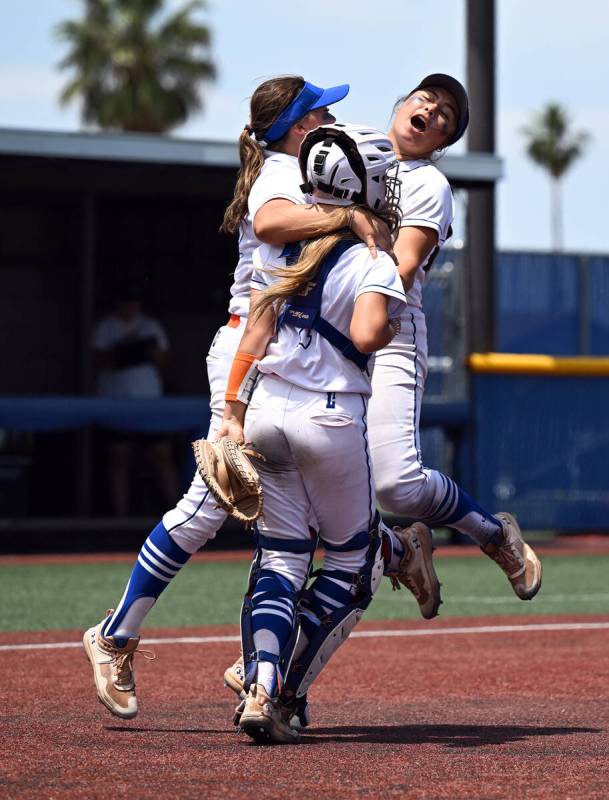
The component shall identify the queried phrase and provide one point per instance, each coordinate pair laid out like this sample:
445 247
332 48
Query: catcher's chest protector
304 310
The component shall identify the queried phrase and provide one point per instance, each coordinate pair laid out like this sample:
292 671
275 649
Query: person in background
130 352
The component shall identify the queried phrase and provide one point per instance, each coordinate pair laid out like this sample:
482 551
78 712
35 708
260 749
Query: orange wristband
242 363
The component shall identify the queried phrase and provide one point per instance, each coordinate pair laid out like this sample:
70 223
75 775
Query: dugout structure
78 213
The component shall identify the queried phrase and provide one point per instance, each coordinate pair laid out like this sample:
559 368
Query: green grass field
56 596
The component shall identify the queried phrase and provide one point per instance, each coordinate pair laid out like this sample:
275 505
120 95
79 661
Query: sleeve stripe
371 287
426 223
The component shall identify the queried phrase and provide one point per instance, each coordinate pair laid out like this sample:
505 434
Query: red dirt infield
502 714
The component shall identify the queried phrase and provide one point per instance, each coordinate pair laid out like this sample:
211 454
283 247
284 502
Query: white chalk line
373 634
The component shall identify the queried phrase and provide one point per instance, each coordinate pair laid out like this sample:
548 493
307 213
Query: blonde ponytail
295 279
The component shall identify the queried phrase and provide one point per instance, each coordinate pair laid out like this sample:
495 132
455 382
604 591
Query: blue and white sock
458 510
158 562
393 551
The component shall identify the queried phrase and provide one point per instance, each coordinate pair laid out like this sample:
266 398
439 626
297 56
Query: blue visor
308 99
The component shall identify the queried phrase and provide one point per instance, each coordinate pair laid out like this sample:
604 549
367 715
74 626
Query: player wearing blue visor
282 111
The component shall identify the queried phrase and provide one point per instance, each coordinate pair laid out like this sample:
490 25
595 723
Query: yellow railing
531 364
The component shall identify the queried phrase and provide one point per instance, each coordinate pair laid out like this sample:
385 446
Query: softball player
430 118
307 417
282 111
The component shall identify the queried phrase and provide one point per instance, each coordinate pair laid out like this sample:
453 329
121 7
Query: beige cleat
265 720
516 558
234 678
113 670
416 571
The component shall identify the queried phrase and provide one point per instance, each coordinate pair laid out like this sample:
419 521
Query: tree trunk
556 214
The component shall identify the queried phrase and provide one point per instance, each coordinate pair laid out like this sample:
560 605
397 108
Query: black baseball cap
457 90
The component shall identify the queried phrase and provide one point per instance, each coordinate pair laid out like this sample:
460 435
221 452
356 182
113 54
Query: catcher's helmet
347 163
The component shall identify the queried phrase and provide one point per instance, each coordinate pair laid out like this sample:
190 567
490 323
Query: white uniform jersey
304 357
279 178
426 201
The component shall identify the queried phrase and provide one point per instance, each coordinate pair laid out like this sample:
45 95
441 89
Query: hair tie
249 129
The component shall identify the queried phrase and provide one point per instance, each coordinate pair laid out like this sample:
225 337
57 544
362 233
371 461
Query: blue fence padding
538 303
154 414
552 303
142 414
436 307
599 305
542 447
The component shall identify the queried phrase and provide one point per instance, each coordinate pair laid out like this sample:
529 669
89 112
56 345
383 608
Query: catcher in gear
230 476
307 415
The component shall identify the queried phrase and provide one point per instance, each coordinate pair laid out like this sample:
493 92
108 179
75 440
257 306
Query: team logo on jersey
331 400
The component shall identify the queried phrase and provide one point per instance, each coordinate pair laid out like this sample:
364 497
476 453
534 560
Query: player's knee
407 498
293 566
191 539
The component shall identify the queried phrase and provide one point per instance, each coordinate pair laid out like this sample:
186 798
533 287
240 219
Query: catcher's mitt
227 471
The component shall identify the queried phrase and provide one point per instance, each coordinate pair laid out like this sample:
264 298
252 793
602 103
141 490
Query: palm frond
550 143
133 71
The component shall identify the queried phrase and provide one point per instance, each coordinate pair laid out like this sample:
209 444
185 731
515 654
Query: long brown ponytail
267 103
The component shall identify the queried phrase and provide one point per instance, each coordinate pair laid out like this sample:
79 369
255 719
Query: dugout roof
122 149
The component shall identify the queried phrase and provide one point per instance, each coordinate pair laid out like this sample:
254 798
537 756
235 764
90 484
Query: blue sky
546 51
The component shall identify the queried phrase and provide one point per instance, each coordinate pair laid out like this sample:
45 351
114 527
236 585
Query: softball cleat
416 570
516 558
265 720
113 670
235 676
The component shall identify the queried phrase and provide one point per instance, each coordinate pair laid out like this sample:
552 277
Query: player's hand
233 429
372 231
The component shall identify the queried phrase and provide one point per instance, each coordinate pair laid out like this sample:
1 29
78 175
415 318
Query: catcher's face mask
347 164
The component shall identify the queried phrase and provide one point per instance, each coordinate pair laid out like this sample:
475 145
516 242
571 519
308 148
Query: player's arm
280 221
259 331
371 328
412 247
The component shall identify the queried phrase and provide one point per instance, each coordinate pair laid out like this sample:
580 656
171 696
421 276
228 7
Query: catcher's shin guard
278 592
327 632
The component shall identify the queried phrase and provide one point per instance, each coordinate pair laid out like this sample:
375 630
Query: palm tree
555 148
135 69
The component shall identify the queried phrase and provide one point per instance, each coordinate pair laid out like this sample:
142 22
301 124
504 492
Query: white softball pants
317 460
403 485
195 519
